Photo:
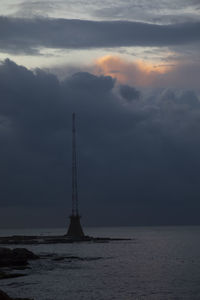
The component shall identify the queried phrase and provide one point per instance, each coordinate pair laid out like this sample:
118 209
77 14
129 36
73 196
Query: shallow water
158 263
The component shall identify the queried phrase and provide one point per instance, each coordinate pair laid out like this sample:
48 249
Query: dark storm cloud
28 35
129 93
139 161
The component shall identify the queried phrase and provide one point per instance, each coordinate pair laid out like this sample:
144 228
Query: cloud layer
161 11
19 35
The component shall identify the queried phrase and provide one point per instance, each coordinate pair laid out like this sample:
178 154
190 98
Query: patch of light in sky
57 57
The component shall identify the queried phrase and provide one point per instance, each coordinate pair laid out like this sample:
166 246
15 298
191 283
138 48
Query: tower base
75 230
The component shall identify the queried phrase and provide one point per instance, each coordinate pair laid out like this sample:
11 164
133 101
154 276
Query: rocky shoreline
11 259
18 258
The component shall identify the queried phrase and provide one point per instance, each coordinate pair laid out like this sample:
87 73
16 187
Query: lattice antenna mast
74 170
75 230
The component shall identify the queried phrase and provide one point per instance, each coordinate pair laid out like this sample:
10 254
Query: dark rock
4 275
23 252
4 296
15 257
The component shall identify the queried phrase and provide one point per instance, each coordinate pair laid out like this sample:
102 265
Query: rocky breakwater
56 239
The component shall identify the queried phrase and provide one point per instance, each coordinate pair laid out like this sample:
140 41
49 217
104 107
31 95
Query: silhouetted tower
75 230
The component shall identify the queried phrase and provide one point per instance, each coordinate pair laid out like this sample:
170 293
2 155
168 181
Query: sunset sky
122 38
131 71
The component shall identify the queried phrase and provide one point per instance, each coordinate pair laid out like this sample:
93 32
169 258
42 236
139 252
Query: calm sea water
158 263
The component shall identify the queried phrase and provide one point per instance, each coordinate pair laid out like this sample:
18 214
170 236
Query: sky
130 70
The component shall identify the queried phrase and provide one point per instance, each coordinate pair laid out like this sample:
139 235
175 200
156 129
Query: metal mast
74 170
75 230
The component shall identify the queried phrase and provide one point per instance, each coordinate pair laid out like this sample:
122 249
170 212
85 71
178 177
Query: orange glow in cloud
138 72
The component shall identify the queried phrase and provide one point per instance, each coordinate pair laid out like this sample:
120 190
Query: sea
157 263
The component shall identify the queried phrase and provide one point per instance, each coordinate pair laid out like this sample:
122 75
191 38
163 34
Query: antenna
74 169
75 230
